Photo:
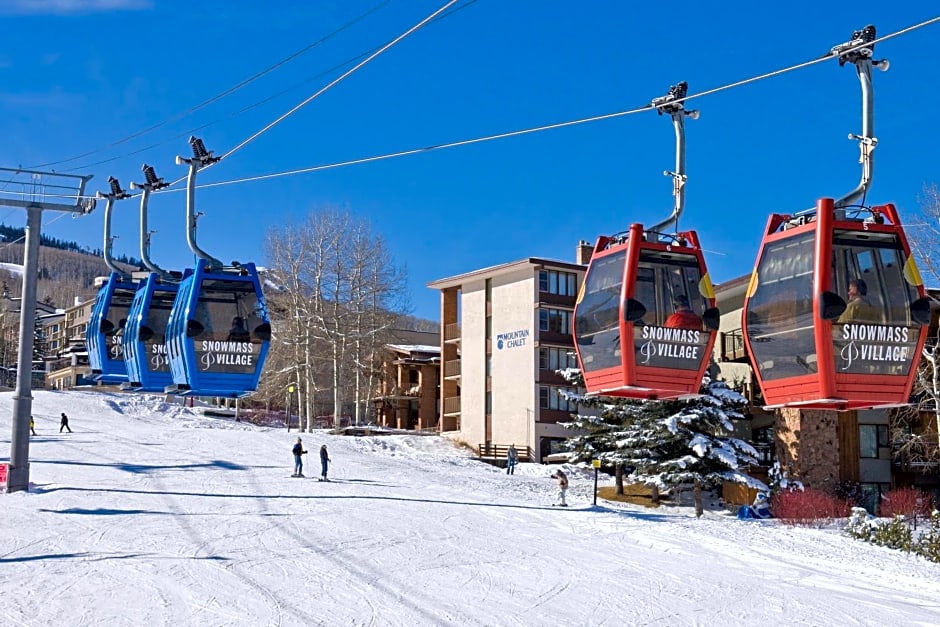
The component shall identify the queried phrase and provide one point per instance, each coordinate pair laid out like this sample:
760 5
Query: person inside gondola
239 332
858 309
684 317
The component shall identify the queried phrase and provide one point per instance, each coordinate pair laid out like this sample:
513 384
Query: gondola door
104 335
145 353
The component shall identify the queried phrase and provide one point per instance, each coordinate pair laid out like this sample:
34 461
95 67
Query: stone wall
808 447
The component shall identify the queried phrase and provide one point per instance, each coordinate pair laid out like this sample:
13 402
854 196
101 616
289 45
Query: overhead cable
218 96
527 131
465 142
246 108
329 85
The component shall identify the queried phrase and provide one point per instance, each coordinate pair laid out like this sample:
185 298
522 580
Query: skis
295 476
559 505
322 479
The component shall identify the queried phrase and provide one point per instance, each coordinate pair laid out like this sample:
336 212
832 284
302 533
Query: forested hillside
64 273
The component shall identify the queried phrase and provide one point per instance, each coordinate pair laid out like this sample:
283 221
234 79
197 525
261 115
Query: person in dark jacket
298 450
512 456
324 463
64 423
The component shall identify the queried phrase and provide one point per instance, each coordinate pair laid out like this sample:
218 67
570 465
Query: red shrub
906 502
808 507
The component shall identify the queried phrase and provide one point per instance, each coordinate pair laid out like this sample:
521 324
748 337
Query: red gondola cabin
645 319
835 313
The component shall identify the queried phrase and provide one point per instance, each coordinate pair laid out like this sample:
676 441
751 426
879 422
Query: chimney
78 301
582 254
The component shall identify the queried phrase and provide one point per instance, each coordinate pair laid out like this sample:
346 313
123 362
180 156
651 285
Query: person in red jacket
684 317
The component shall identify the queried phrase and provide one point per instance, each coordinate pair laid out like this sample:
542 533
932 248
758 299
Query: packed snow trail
150 513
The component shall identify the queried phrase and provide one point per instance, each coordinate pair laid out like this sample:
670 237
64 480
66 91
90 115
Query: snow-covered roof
415 348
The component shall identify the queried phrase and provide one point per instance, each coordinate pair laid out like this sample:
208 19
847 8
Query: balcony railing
452 332
452 405
497 452
452 368
916 452
732 346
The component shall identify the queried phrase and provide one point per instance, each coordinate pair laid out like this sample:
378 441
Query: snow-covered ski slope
151 514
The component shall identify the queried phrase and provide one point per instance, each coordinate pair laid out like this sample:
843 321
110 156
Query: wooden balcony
452 332
732 346
452 369
452 406
496 453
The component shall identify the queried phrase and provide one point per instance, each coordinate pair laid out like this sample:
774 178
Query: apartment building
505 330
46 320
408 390
67 363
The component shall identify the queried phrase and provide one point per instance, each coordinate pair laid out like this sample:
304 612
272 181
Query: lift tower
36 192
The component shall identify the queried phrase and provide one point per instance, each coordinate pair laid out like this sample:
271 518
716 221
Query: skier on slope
324 462
560 476
298 450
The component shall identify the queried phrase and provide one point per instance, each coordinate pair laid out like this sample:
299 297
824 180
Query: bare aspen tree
377 298
920 447
288 263
342 292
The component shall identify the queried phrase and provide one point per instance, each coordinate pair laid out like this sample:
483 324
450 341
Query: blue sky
77 76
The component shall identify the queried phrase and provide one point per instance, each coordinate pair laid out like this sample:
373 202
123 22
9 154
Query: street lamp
290 390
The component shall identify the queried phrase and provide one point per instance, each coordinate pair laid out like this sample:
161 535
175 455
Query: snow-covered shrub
808 507
897 533
859 525
908 502
928 544
894 534
780 479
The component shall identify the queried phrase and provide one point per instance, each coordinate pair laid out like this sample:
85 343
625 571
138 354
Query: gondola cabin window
158 317
671 334
876 334
598 313
780 313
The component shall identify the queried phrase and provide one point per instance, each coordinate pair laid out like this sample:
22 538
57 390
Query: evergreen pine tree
668 443
694 444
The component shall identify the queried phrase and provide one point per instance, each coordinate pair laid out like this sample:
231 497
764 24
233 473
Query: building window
555 358
870 439
550 397
489 327
489 365
489 403
489 290
555 320
555 282
412 377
